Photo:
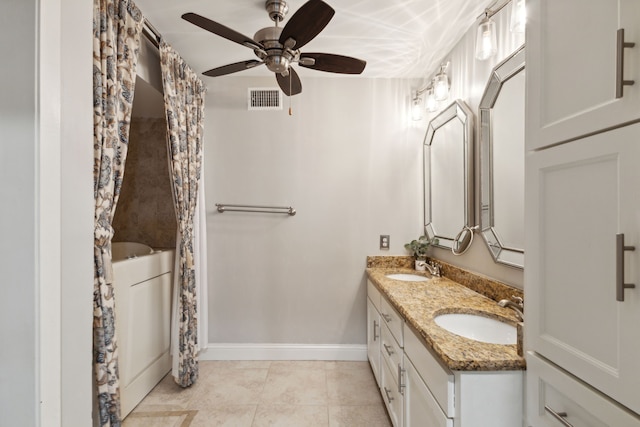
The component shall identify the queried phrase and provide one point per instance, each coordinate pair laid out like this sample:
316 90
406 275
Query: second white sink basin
408 277
479 328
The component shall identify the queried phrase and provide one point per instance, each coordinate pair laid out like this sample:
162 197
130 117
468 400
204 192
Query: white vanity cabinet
572 69
373 329
582 200
419 391
436 396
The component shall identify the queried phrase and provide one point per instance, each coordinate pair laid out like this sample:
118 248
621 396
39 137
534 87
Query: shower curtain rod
151 33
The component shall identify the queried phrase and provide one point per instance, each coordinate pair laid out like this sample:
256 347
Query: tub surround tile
420 302
145 211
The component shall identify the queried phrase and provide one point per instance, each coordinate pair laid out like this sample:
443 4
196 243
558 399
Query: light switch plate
384 241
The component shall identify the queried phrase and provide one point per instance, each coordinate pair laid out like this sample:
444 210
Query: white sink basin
479 328
408 277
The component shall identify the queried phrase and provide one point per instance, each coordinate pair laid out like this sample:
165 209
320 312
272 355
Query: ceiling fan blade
291 84
333 63
221 30
232 68
307 23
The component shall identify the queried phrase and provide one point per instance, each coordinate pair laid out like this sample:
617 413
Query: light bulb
441 86
416 109
432 105
486 44
518 16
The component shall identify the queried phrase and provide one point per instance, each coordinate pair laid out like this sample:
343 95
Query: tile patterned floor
265 393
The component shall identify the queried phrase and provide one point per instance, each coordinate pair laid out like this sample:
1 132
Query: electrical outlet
384 241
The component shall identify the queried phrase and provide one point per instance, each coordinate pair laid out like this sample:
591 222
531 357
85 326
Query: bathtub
142 284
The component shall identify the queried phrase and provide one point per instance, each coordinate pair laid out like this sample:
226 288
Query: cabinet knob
620 46
620 250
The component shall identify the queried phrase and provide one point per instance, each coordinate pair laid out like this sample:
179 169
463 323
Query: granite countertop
420 302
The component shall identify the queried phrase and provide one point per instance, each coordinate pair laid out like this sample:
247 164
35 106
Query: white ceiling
397 38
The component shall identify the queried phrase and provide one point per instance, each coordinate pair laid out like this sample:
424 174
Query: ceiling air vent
265 99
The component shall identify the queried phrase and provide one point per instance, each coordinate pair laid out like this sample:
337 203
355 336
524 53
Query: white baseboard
348 352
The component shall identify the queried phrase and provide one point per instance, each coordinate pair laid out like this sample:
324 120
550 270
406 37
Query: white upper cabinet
575 67
580 196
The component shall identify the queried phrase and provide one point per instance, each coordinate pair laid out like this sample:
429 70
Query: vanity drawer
552 390
393 399
391 351
374 294
440 381
392 319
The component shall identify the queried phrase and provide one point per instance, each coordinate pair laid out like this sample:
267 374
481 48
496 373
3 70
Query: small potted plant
419 248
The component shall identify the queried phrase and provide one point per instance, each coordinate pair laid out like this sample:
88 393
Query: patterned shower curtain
117 26
184 107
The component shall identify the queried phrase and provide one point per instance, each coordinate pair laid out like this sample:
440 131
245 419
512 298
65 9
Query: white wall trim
349 352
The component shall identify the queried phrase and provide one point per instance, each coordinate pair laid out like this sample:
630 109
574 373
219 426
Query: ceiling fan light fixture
278 63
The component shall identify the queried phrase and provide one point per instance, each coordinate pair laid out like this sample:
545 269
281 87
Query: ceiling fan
279 47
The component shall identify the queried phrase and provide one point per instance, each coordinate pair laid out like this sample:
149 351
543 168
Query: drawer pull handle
620 46
388 393
389 349
386 317
620 250
375 328
401 384
560 416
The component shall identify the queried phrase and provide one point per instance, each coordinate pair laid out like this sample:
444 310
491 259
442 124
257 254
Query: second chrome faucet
515 303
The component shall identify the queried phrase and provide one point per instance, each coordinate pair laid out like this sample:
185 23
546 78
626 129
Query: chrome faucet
515 303
434 269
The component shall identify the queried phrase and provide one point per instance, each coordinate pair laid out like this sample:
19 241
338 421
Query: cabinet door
571 68
578 197
373 339
421 408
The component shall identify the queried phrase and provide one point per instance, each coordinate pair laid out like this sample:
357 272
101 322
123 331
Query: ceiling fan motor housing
277 58
277 9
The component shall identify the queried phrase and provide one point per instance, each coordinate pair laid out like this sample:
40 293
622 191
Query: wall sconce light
432 104
518 16
416 107
441 84
486 42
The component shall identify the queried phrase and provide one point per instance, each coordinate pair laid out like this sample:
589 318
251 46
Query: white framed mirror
448 177
502 117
